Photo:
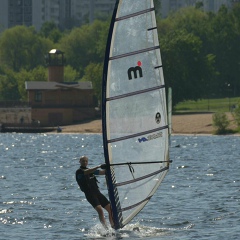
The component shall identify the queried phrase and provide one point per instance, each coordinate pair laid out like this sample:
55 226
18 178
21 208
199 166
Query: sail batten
134 14
153 28
136 204
134 53
135 93
136 135
134 114
130 163
141 178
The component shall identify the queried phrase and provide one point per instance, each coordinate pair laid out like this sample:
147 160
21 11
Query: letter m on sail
135 71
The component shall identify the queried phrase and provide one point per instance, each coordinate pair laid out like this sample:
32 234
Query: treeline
200 54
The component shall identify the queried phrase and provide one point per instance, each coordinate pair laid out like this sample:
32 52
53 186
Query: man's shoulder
79 174
79 171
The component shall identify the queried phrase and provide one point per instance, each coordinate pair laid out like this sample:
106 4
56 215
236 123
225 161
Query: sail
134 114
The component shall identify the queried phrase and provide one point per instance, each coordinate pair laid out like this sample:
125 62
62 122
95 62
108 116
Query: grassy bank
208 105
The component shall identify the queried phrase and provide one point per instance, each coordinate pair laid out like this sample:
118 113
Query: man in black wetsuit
87 182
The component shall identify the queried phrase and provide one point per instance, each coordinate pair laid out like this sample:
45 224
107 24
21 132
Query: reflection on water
40 199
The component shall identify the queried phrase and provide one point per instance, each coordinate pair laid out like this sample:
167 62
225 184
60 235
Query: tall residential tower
65 13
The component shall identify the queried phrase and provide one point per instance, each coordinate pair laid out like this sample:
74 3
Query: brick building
57 102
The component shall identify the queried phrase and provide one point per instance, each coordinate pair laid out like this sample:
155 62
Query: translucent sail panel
142 149
134 73
139 34
135 27
127 7
134 51
137 181
136 114
134 196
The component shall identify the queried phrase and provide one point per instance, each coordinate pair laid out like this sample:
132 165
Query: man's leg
101 215
109 210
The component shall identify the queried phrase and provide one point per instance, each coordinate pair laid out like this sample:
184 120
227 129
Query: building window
38 96
27 3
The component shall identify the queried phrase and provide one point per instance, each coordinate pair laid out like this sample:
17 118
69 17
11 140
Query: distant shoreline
181 124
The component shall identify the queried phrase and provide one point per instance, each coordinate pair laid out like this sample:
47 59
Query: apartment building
69 13
15 13
88 10
65 13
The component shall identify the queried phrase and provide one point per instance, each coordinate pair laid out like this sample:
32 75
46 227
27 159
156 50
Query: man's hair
83 157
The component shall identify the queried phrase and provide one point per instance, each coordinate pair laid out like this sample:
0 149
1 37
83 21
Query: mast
117 224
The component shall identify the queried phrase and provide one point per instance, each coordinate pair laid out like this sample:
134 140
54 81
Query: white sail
135 128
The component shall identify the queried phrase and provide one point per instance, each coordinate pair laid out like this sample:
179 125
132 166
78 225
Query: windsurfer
87 182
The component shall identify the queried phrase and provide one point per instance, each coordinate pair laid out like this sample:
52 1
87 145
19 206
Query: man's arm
102 172
91 170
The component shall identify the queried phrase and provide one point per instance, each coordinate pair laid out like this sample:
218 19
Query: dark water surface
39 198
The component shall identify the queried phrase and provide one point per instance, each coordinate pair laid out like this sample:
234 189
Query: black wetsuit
88 184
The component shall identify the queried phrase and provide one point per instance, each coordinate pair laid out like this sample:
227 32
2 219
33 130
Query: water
39 197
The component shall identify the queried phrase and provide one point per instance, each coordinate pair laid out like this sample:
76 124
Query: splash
99 232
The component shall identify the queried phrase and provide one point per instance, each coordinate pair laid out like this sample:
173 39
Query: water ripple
39 198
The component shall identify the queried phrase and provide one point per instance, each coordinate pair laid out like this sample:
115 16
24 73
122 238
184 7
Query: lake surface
40 199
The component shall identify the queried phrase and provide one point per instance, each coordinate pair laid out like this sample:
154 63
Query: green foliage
70 74
184 61
157 5
218 59
93 73
200 54
187 64
236 114
37 74
85 45
225 45
9 86
199 5
21 47
220 122
49 30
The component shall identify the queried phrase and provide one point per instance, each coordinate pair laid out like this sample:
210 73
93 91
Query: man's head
83 161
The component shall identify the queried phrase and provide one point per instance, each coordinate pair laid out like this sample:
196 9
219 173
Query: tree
227 50
184 65
47 28
93 73
200 52
50 30
82 46
189 60
9 86
70 74
194 21
220 122
37 74
157 5
236 114
199 5
21 47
